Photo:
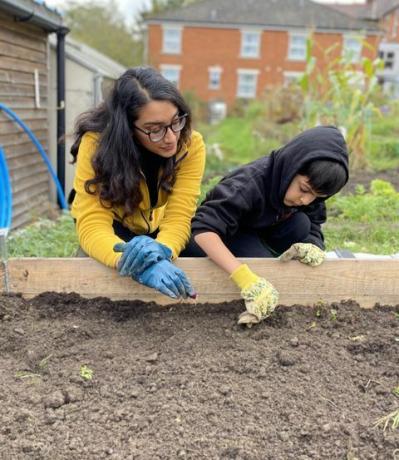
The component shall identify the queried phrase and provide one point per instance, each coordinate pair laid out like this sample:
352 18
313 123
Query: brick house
222 50
385 14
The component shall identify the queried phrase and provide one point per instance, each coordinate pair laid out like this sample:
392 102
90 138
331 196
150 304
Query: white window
171 73
250 44
247 82
352 48
389 59
291 77
297 47
215 75
172 40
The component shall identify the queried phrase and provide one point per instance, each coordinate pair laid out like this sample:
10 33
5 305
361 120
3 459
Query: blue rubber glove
140 253
168 279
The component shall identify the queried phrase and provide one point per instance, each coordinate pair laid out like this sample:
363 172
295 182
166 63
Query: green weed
86 373
391 419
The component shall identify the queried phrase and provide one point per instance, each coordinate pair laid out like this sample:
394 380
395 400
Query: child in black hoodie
271 207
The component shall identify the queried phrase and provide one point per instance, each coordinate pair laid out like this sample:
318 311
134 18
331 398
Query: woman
137 181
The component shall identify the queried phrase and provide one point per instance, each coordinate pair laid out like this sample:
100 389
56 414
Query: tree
102 26
159 6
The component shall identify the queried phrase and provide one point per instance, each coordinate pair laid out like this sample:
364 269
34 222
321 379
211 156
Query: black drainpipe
61 32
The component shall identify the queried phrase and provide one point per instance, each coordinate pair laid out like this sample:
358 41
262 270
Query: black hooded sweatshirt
252 196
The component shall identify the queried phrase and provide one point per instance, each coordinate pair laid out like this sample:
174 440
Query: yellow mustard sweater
172 213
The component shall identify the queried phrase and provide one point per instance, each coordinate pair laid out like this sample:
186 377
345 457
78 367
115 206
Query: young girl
272 206
137 181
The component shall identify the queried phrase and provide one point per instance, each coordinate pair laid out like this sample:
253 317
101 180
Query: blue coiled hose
5 194
39 147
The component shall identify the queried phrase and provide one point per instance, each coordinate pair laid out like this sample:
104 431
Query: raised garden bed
186 382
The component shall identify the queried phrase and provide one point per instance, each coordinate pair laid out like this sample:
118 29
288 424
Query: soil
187 382
365 177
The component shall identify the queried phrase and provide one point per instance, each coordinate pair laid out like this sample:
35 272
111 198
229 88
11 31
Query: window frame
247 72
166 48
291 56
218 70
256 53
171 67
355 59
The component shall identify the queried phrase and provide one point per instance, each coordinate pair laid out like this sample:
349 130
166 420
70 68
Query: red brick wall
390 24
207 47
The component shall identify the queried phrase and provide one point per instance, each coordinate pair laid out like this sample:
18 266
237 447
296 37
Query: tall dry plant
341 93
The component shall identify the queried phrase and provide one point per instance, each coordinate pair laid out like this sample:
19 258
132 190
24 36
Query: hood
320 143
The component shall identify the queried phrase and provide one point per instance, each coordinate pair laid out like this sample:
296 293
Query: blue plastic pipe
5 194
33 138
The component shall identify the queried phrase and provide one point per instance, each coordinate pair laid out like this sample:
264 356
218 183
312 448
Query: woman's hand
168 279
139 254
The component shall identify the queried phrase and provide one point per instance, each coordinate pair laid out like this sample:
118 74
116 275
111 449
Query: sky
130 8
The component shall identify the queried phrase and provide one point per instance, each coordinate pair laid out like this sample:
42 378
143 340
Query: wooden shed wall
23 48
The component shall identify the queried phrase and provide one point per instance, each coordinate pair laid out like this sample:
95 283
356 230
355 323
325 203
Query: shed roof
34 12
90 58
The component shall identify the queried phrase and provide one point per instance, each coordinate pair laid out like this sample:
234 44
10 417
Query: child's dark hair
326 177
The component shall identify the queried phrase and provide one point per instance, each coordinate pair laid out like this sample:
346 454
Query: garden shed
24 29
87 75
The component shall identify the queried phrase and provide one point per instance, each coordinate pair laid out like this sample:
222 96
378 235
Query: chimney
372 6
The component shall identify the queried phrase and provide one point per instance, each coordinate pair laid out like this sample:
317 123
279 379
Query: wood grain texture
365 281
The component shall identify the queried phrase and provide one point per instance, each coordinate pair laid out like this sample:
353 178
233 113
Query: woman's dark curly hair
116 160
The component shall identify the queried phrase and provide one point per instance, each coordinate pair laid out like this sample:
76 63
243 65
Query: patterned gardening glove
139 254
168 279
306 253
260 296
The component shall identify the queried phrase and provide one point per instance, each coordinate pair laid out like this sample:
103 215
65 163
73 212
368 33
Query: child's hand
306 253
260 296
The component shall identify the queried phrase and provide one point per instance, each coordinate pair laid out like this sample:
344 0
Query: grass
364 222
45 238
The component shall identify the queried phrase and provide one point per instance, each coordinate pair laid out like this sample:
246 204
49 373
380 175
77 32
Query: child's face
300 193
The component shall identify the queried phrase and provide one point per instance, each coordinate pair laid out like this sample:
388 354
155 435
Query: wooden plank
23 147
30 197
25 172
30 158
9 35
29 181
32 214
26 114
364 281
13 63
10 126
11 50
7 140
25 28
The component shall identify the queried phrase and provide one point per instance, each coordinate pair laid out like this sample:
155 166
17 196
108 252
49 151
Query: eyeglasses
157 134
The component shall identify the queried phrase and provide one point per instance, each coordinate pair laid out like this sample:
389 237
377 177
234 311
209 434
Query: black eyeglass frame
165 128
